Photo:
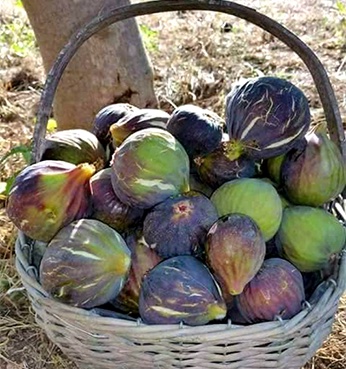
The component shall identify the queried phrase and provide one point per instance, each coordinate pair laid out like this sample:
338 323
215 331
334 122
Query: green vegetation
150 37
17 38
25 152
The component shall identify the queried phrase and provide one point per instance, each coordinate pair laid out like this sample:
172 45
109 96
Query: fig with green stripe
86 264
47 196
180 289
148 167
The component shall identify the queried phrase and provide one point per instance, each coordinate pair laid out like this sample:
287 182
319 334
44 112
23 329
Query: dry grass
194 62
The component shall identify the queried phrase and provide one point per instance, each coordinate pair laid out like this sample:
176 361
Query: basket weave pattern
97 342
100 342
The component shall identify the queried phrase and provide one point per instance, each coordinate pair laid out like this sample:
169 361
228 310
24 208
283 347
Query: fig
143 259
267 116
180 289
277 290
235 251
106 207
272 249
272 168
179 225
311 282
197 185
137 120
253 197
75 146
198 130
310 237
107 116
47 196
221 166
314 174
85 264
148 167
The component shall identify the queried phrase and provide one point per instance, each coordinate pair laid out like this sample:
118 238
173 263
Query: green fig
85 264
314 174
309 237
135 121
253 197
148 167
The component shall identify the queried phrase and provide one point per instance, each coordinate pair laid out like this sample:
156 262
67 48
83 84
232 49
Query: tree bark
110 67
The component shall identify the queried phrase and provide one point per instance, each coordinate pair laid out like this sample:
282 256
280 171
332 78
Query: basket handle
318 72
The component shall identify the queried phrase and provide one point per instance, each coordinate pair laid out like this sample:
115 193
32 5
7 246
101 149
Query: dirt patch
196 57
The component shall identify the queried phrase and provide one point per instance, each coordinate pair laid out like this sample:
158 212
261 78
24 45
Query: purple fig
220 166
179 225
143 259
180 289
267 116
137 120
197 185
75 146
47 196
107 116
106 206
235 251
197 129
277 290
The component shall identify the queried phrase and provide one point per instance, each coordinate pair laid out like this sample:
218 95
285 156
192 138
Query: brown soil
196 57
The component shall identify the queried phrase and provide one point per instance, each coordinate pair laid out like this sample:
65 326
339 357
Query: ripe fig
310 237
272 168
315 173
197 129
85 264
267 116
47 196
75 146
106 207
179 225
197 185
311 281
143 259
148 167
137 120
277 290
180 289
221 166
107 116
253 197
235 251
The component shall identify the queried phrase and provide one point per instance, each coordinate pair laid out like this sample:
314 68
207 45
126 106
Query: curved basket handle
319 74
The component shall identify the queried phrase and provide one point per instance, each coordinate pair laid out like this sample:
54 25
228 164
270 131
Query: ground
196 57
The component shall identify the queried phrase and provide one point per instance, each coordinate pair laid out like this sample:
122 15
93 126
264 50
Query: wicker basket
94 341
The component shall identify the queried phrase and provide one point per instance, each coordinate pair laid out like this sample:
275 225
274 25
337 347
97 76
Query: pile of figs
184 217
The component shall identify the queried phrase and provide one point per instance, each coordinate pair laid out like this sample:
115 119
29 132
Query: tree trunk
110 67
